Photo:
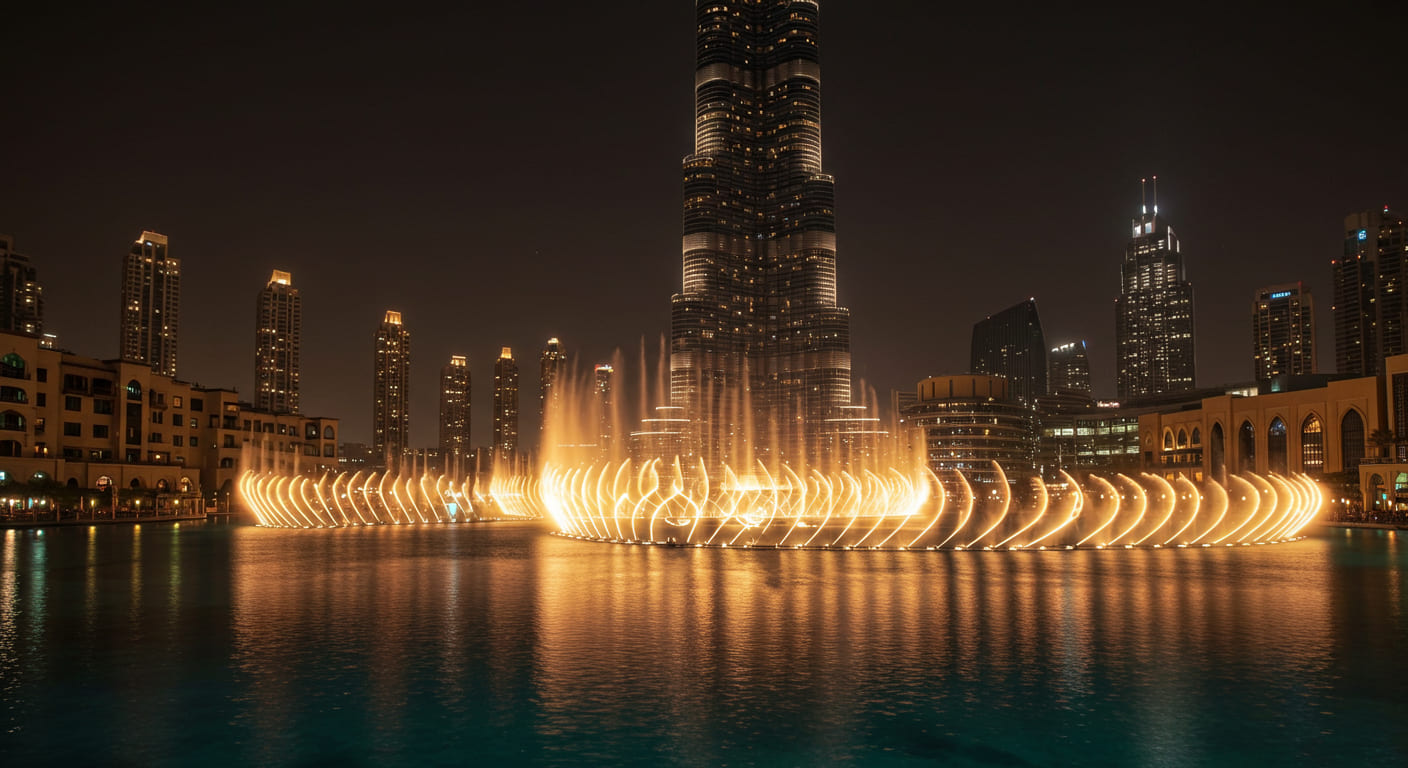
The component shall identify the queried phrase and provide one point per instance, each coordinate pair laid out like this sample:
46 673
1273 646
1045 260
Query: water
499 644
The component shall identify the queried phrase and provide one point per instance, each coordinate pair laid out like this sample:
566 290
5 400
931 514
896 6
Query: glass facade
1371 307
391 390
1068 370
151 301
454 412
1154 313
505 406
756 333
278 344
1010 344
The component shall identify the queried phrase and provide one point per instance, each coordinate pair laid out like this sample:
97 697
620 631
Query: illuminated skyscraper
1283 331
1154 313
151 300
505 406
391 419
278 342
1010 344
550 367
1371 292
454 412
602 386
23 296
758 305
1068 370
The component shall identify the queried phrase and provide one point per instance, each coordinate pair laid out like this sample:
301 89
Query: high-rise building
1068 370
1283 331
278 343
151 301
602 390
454 412
551 366
505 406
22 295
391 392
1010 344
1371 297
1154 313
758 308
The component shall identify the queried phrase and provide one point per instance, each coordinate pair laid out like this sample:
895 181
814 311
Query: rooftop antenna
1144 196
1156 195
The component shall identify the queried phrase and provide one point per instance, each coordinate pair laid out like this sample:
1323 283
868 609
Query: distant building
355 456
551 367
603 386
1010 344
454 413
1371 292
1068 370
505 407
278 345
21 295
968 422
1154 352
1283 331
391 391
151 302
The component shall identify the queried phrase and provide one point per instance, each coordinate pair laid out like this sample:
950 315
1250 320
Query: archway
1246 448
1352 440
1276 446
1312 445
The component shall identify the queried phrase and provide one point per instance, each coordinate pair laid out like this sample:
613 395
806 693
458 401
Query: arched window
1197 437
1276 450
134 390
1352 439
12 421
186 485
1217 453
136 482
72 482
1182 439
13 395
12 366
1246 448
328 434
1168 440
1312 445
104 483
162 485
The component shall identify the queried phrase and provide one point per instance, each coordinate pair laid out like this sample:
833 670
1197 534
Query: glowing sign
1281 295
1363 234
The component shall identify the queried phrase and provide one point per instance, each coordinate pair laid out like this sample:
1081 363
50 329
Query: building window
102 406
12 395
197 404
9 420
156 437
194 424
330 451
41 400
1352 440
310 431
12 366
177 401
1312 445
1276 448
1197 437
1246 448
100 431
73 429
157 417
73 403
178 441
195 441
41 374
134 390
328 433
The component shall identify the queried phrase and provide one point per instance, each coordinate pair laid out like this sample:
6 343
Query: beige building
101 424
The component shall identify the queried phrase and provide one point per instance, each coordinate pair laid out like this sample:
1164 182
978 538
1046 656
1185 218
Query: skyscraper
1283 331
1154 313
391 392
22 295
505 406
1068 370
278 343
1010 344
454 412
1371 304
602 386
550 367
151 300
758 305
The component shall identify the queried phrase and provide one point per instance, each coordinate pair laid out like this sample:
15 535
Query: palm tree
1383 439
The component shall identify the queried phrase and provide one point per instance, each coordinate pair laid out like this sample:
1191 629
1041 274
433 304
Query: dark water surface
229 645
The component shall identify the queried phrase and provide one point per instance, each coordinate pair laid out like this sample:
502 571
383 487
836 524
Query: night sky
511 171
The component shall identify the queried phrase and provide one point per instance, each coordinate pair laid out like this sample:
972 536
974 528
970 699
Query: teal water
499 644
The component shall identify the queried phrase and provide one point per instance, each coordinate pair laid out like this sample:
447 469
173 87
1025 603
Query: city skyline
906 235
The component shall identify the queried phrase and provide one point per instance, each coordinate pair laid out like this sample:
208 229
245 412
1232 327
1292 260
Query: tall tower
1283 331
1068 370
151 300
602 385
550 367
1154 313
757 320
1371 295
505 406
454 412
1010 344
278 342
391 392
22 310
